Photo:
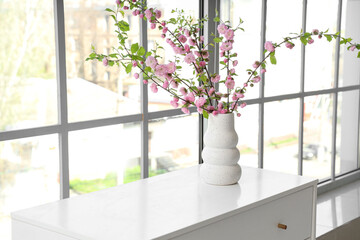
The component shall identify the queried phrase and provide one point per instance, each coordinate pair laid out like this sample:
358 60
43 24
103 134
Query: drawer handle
282 226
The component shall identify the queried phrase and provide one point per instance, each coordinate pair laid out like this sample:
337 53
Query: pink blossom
229 34
134 63
197 53
256 79
232 71
243 105
158 14
153 25
148 14
136 75
289 45
187 33
137 12
222 53
163 23
226 46
245 84
174 104
256 64
315 31
189 58
201 39
187 48
320 36
134 13
200 102
151 62
234 106
226 60
192 42
223 111
211 91
118 2
163 36
215 79
126 7
239 95
183 91
263 70
171 67
165 84
311 41
165 29
353 47
161 70
238 114
230 84
178 50
220 106
105 62
145 81
214 113
141 15
235 63
174 84
190 97
154 88
202 64
205 54
269 46
182 38
222 28
185 110
200 111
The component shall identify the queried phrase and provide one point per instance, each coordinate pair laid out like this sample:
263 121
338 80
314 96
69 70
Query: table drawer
261 223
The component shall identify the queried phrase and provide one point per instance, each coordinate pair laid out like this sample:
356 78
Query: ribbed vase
220 154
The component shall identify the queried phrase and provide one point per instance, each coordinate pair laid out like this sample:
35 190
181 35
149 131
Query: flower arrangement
183 34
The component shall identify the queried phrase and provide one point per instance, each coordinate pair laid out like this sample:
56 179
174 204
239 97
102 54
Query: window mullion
62 96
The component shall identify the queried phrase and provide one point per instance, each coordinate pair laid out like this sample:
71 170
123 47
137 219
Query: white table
179 205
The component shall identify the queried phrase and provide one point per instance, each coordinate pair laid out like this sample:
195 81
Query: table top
160 207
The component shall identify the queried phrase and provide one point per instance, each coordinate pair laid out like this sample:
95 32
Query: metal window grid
206 8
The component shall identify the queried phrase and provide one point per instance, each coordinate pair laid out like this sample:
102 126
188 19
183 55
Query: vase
220 154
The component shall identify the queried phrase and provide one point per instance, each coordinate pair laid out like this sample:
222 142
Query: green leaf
124 26
148 54
134 47
141 51
128 68
217 40
92 55
216 19
113 55
205 114
111 63
109 10
303 40
328 37
358 55
273 59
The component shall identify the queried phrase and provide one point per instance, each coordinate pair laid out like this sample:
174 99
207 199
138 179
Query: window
69 127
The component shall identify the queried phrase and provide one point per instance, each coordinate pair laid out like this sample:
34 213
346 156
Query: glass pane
347 131
173 144
29 176
349 71
104 157
281 131
96 91
161 100
28 95
247 128
284 77
247 43
317 136
320 56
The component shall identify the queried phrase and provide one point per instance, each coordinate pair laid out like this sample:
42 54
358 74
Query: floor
338 213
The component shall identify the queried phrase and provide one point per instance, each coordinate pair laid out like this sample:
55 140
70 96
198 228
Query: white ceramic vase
220 154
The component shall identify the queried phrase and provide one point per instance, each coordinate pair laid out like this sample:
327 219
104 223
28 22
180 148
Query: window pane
161 100
281 130
27 65
29 176
247 43
104 157
247 128
317 136
173 144
96 91
284 77
320 56
349 72
347 131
